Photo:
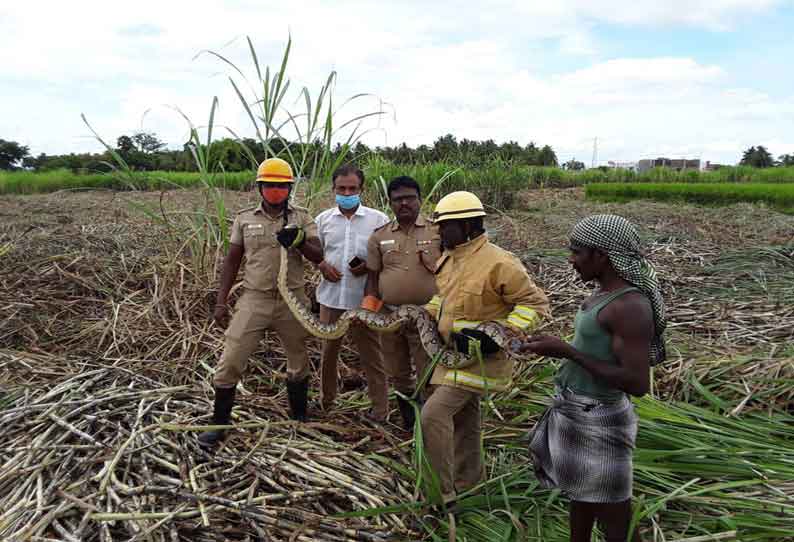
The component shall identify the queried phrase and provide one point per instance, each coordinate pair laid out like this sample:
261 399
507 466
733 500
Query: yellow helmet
274 170
457 205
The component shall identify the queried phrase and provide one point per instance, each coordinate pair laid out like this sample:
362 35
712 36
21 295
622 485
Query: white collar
359 211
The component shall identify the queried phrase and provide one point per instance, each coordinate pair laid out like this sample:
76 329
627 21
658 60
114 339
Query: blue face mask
348 202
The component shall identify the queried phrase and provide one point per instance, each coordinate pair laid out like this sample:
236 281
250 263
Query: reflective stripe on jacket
478 281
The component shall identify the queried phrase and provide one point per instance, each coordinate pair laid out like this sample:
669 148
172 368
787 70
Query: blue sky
690 78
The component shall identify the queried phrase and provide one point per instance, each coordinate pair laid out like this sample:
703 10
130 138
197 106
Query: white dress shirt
343 239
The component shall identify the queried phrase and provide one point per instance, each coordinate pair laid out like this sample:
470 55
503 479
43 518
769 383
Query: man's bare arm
312 250
231 265
372 285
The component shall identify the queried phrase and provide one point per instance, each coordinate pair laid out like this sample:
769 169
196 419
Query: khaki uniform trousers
368 343
399 349
257 312
451 430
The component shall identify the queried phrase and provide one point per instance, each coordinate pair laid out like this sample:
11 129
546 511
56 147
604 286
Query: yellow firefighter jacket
478 281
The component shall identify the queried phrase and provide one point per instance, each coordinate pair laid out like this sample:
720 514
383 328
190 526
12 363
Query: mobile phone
355 262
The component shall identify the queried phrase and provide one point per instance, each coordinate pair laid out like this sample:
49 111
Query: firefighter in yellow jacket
477 281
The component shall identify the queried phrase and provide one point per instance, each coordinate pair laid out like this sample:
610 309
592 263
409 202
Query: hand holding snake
390 323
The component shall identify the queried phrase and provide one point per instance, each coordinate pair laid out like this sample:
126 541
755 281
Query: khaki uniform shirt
478 281
406 261
255 230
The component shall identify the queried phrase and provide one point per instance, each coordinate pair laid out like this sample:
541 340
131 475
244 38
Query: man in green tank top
583 445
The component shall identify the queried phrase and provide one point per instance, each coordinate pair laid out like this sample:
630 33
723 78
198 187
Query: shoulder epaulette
241 211
383 226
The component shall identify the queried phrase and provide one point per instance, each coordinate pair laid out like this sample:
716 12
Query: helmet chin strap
468 230
286 207
472 232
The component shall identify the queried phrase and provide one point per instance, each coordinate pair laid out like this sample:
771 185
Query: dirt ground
76 260
114 284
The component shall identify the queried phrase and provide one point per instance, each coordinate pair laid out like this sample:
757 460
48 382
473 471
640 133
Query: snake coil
390 323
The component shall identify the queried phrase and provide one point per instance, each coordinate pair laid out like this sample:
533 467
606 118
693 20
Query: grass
780 196
496 181
29 182
737 174
697 472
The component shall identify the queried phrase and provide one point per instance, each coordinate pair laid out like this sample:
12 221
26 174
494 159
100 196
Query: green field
497 181
779 196
30 182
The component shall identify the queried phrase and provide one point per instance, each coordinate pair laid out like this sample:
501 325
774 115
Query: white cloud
640 71
474 70
709 14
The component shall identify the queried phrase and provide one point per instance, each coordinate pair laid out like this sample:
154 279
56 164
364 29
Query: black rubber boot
408 414
222 414
298 392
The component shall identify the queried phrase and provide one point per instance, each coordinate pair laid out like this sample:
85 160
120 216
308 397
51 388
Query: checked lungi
584 447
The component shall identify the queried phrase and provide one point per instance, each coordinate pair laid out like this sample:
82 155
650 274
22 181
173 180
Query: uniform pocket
392 256
429 252
253 235
430 249
472 293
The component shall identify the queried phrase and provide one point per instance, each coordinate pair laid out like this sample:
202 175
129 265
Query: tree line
144 151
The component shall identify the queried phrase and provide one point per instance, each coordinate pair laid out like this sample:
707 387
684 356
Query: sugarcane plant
309 140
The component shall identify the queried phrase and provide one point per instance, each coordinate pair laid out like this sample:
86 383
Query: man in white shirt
344 231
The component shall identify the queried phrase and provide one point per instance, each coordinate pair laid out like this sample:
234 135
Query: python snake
390 323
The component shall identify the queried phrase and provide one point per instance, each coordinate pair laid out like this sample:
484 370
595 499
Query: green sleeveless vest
590 338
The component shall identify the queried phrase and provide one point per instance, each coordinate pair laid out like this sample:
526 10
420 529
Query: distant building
712 167
631 166
678 164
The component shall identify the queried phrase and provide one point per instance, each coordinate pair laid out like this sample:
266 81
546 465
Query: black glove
487 344
291 237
